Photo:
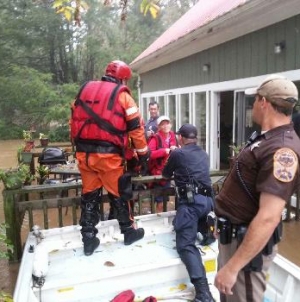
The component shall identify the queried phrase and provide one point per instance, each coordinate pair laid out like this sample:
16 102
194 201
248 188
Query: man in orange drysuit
104 115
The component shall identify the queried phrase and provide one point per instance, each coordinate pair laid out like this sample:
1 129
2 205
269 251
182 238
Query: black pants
186 227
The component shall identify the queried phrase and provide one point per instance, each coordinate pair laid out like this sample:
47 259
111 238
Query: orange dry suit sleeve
70 122
133 121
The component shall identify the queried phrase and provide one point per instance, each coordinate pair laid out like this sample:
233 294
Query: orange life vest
97 116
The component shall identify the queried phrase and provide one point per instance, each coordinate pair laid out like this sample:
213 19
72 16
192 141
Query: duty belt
228 230
182 191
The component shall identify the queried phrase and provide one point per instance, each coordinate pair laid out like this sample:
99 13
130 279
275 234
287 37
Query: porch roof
209 23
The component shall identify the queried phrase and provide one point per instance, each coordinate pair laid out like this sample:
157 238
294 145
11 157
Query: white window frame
212 97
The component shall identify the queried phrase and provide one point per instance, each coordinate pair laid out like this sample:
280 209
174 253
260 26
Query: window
172 111
184 108
200 117
145 109
161 102
243 123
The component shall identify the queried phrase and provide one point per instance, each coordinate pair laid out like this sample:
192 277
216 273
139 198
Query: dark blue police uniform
190 166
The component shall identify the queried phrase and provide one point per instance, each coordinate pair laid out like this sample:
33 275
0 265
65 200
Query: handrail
15 205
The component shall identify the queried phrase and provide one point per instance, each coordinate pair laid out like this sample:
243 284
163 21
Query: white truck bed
150 266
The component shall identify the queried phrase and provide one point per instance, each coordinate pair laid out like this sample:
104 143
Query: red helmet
118 70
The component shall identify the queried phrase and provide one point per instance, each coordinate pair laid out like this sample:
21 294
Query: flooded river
289 247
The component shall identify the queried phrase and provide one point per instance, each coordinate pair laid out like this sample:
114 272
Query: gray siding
247 56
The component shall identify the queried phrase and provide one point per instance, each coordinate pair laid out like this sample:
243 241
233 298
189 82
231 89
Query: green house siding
249 55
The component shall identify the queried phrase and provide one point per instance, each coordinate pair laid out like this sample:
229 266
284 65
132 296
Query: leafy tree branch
73 8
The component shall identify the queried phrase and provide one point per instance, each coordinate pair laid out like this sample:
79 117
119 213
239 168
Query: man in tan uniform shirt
255 192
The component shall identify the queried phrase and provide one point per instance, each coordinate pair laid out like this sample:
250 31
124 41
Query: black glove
132 166
143 162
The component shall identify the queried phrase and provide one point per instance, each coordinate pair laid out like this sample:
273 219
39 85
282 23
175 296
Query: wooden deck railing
21 201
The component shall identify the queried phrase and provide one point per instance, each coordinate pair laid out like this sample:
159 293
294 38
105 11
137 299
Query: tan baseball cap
278 90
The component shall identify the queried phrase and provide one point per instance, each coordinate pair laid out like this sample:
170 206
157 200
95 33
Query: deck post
13 229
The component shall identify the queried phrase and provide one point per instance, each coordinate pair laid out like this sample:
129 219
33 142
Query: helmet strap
107 78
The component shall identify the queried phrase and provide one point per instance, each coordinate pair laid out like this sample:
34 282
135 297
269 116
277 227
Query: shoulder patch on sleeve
285 164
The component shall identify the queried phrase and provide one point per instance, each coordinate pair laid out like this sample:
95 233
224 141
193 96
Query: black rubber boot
203 293
90 244
131 235
90 216
125 219
111 214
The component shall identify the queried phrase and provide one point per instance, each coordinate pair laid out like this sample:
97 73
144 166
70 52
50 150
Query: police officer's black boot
123 214
90 216
203 293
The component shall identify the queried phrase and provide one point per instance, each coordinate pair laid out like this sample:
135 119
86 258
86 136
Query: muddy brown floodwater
289 247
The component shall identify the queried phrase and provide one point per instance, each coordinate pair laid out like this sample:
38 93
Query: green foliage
27 135
45 59
24 98
59 109
19 153
69 8
5 297
16 178
60 134
5 249
152 7
5 246
42 135
34 102
42 170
